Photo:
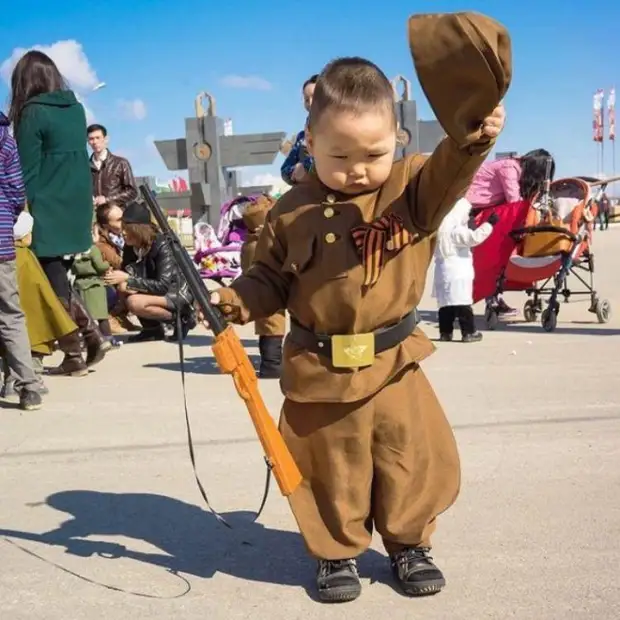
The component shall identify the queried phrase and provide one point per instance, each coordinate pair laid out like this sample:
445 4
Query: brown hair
144 234
102 213
351 84
34 74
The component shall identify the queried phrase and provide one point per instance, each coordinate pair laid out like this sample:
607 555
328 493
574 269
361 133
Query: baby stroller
218 255
554 242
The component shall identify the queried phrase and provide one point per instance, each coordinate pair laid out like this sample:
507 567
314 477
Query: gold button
331 199
294 266
330 237
328 212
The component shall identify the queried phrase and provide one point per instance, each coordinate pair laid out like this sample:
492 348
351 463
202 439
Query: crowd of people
345 253
79 253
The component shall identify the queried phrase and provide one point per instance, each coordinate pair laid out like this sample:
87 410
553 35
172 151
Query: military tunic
372 441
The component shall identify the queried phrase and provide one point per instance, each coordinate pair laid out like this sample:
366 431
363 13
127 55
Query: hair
34 74
102 213
311 80
96 127
144 234
534 172
351 84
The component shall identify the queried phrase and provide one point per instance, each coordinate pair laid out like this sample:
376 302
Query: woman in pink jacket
506 180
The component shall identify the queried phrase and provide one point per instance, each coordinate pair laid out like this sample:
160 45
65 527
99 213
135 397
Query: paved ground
534 534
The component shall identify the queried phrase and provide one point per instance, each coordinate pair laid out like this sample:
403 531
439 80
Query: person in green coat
89 269
49 125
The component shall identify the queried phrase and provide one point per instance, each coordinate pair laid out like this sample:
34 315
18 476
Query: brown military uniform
254 218
371 439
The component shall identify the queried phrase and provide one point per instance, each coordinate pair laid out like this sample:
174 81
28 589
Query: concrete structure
210 157
416 136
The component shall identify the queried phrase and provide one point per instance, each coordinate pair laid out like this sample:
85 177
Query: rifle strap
190 441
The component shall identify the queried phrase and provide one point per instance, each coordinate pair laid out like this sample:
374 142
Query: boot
188 322
96 345
73 363
270 348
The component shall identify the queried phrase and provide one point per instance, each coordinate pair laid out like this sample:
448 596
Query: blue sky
163 53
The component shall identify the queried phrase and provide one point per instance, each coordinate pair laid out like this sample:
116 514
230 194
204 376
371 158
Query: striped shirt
12 190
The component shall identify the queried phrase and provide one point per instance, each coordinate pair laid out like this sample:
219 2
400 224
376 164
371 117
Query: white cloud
70 59
134 109
277 185
90 115
250 82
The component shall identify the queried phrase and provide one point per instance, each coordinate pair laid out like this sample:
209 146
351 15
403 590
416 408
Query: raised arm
463 62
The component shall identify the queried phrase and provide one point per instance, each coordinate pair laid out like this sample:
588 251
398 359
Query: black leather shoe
415 572
338 581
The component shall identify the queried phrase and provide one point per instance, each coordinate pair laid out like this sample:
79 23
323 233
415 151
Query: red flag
597 123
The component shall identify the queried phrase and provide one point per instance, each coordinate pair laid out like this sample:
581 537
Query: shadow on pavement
191 540
203 365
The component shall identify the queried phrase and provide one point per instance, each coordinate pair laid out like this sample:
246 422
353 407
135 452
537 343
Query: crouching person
270 331
152 284
454 271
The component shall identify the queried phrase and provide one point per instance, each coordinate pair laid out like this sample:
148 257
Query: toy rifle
233 360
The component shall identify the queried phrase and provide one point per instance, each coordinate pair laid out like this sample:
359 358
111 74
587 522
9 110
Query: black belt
385 338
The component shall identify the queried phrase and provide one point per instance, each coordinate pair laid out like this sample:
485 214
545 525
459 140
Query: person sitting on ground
111 244
47 320
506 180
152 285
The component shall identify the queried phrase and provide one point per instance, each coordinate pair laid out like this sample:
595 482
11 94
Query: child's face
353 153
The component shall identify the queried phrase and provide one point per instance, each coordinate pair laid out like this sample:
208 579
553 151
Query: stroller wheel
529 311
491 318
549 319
603 310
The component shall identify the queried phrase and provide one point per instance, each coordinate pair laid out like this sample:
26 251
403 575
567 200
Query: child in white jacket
454 271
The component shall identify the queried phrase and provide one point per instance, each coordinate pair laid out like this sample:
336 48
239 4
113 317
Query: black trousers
56 269
465 315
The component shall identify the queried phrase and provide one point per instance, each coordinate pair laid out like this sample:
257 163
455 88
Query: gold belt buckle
353 350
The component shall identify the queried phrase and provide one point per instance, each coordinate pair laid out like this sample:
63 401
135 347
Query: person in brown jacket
270 330
109 218
347 255
113 179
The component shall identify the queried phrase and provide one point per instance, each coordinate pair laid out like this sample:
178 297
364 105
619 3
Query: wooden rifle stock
232 359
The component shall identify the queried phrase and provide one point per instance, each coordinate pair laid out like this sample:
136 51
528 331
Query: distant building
506 154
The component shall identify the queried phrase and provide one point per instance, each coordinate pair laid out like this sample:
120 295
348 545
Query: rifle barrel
201 294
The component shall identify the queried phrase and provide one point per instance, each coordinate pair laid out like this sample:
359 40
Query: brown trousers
274 325
390 461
